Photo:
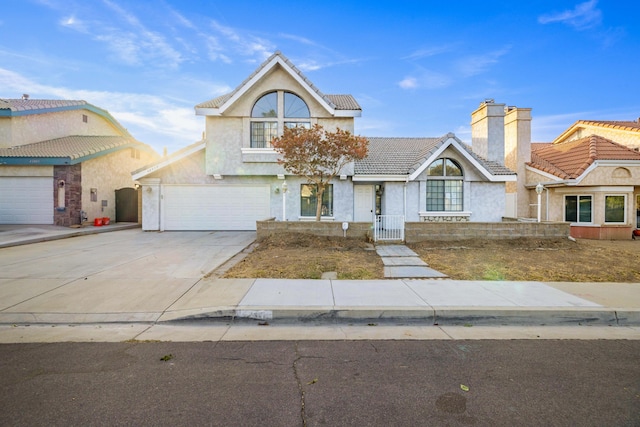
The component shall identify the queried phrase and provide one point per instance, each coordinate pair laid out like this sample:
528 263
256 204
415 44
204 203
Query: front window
309 200
269 113
578 209
444 186
614 209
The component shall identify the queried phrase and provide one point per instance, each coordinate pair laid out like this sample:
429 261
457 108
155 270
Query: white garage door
26 200
214 207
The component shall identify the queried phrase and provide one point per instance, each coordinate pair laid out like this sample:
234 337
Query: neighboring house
231 178
591 178
62 161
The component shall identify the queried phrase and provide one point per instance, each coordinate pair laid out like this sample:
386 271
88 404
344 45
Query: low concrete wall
423 231
270 227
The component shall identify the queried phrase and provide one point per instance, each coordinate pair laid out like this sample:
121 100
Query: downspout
404 209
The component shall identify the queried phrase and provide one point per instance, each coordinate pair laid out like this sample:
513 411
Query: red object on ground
97 222
106 220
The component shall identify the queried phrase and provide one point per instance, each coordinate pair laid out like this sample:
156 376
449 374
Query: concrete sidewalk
131 276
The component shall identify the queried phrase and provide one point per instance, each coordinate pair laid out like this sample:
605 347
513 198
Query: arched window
444 186
267 118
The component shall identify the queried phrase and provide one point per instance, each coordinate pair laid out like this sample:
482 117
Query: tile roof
403 156
339 102
394 156
569 160
616 124
37 104
71 147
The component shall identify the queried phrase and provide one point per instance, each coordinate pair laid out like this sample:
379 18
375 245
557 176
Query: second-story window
272 112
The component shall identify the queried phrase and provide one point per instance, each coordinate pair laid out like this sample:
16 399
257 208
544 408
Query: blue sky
417 68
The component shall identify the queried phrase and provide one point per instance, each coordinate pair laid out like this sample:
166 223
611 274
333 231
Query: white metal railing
388 227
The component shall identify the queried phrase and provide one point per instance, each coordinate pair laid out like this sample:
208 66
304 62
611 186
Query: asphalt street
311 383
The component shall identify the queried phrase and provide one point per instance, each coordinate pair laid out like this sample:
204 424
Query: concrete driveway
101 277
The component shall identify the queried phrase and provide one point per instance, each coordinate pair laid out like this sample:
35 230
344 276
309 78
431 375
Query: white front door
363 203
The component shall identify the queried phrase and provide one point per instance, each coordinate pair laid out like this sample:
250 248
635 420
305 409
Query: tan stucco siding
16 171
624 137
107 174
5 132
613 175
190 170
41 127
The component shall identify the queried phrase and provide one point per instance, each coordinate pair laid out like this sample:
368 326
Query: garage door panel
209 207
26 200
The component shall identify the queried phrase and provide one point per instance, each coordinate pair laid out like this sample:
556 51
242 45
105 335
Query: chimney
487 131
517 143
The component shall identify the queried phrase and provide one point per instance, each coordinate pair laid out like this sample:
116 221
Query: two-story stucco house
62 161
590 177
231 178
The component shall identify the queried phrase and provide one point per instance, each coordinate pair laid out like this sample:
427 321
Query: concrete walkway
135 277
400 262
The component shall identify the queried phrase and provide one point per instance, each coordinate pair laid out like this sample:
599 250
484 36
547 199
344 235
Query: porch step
400 262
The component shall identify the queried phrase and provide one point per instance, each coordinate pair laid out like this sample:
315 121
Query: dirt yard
304 256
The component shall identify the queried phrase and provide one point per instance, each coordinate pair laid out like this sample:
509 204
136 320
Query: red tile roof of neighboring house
569 160
616 124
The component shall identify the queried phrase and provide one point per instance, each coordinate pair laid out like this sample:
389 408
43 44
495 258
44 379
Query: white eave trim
452 141
166 162
383 178
258 76
205 111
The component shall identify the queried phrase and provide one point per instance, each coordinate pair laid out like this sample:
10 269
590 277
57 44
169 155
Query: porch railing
388 227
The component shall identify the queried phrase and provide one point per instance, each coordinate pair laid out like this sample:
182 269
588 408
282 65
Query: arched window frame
445 183
264 127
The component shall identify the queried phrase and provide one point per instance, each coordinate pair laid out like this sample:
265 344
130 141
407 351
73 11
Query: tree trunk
319 202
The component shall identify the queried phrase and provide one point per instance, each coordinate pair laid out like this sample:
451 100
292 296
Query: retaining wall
423 231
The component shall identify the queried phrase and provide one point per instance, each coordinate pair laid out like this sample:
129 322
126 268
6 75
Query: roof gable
337 105
67 150
569 160
25 107
580 125
409 157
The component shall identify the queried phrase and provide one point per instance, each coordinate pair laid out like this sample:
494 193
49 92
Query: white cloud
152 119
583 16
408 83
74 23
426 80
427 52
243 44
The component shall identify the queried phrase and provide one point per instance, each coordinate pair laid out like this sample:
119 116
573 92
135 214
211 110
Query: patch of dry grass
558 260
300 256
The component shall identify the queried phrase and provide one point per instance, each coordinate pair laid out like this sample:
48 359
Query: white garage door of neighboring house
26 200
214 207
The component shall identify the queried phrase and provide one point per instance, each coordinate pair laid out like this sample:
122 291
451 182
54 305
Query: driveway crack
300 387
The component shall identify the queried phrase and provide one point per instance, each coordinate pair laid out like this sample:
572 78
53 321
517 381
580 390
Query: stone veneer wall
424 231
72 176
